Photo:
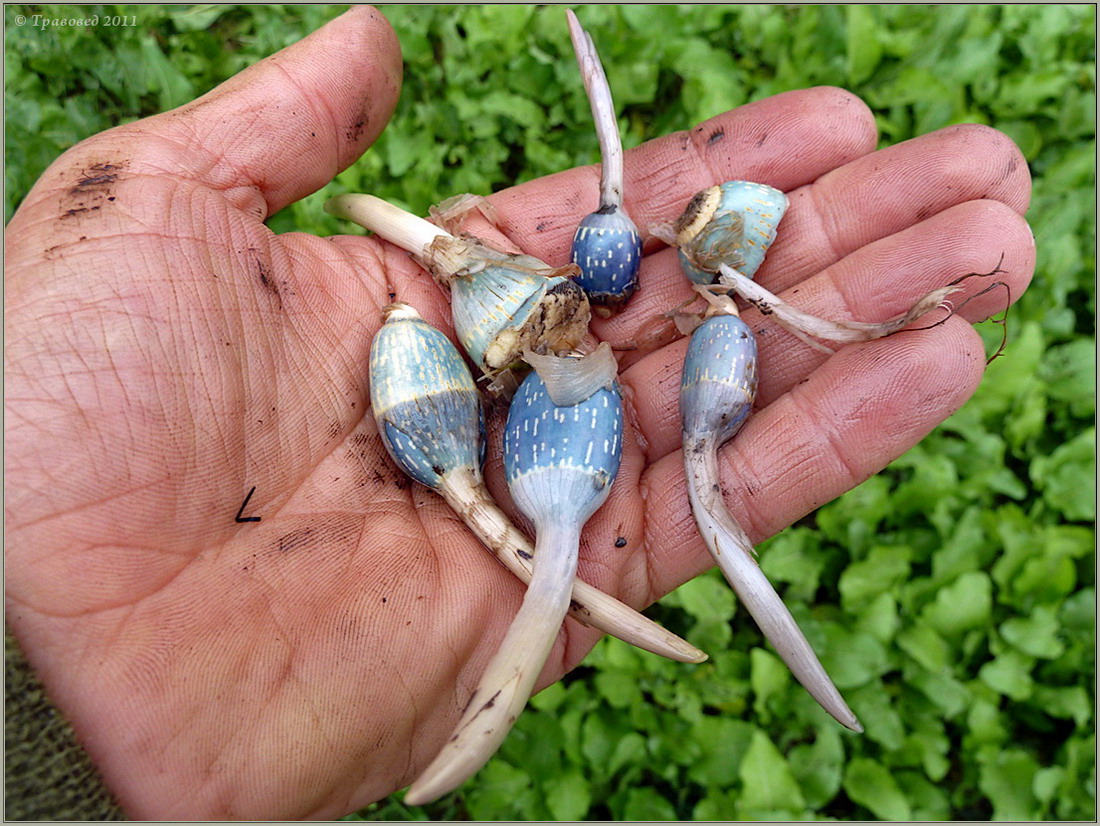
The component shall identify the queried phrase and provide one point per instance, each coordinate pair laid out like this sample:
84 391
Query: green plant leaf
550 698
794 556
948 694
884 568
1066 702
864 48
568 796
1009 674
964 604
717 805
1068 477
630 750
1069 371
707 597
853 658
196 18
1006 778
723 745
646 804
876 709
1046 784
1037 634
928 800
500 788
620 689
880 618
872 786
770 678
766 778
930 747
924 644
601 734
985 723
171 86
818 767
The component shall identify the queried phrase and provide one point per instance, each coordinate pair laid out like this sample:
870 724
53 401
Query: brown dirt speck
295 539
356 129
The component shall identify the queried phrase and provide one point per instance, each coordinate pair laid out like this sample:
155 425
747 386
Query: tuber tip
400 311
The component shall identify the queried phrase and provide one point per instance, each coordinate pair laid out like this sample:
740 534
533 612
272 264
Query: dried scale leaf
570 379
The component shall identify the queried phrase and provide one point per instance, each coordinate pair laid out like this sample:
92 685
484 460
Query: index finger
787 140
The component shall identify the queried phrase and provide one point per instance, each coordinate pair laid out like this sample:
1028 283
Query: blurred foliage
952 595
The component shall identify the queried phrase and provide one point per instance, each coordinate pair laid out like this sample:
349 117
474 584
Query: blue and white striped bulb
718 383
424 399
608 250
559 462
606 246
733 224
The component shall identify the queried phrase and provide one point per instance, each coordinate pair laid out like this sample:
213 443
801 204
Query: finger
897 187
272 134
874 283
863 201
885 278
787 140
288 124
863 408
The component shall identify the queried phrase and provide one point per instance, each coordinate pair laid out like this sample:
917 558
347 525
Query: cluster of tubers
563 435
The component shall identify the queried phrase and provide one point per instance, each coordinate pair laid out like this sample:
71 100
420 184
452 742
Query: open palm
167 353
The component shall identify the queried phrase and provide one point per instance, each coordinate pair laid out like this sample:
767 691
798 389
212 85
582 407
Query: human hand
166 353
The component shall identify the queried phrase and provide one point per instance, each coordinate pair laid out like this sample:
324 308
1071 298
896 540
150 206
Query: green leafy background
952 595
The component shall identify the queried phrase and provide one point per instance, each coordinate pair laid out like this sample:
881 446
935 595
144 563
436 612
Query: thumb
287 125
275 132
